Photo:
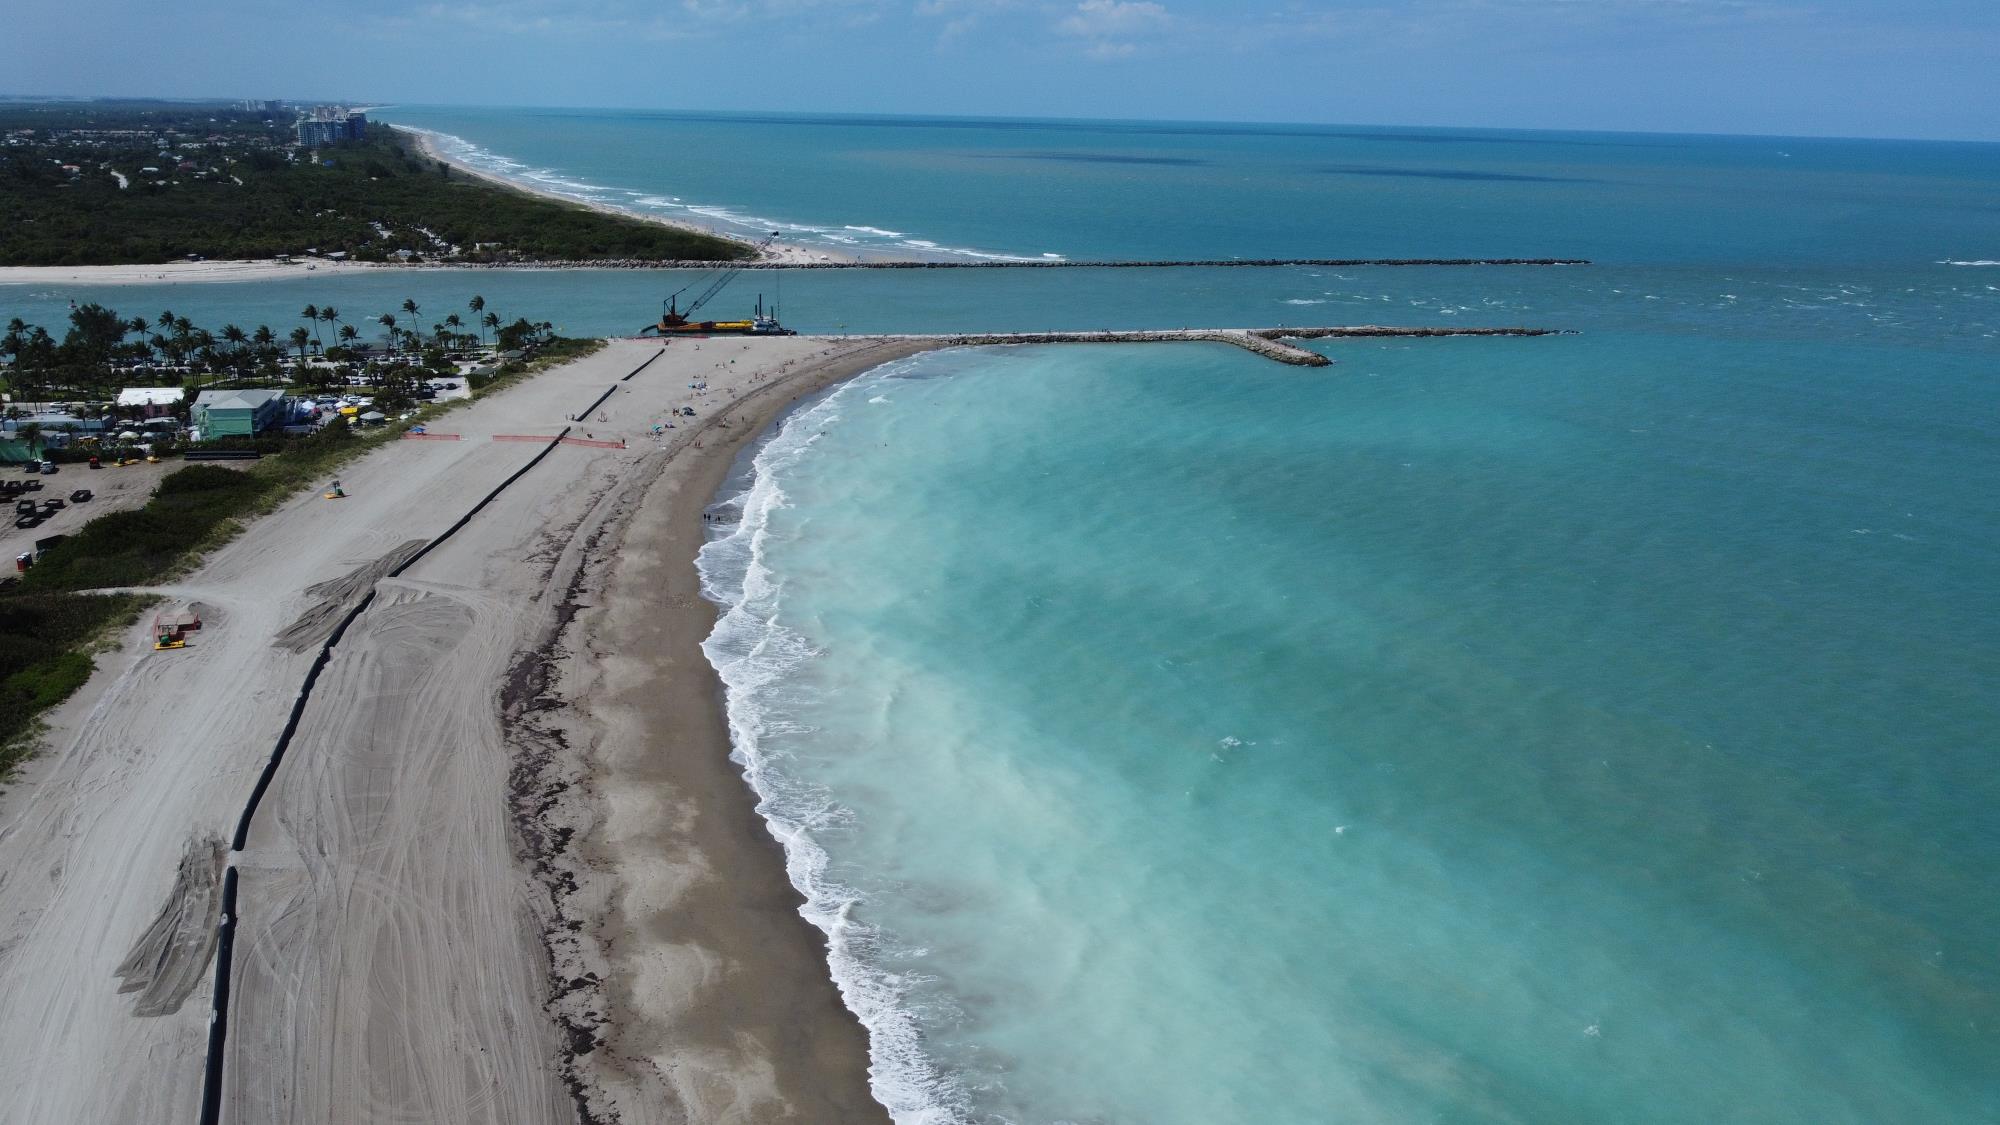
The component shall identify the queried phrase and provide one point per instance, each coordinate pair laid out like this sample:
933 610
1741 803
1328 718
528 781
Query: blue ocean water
1097 189
1520 731
1585 728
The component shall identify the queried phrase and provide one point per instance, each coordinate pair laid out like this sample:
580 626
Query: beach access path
389 958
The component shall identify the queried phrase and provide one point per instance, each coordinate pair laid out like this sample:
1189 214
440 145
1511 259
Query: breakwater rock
1267 342
1001 264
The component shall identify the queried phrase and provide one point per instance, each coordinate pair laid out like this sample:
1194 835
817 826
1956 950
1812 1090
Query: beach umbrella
129 435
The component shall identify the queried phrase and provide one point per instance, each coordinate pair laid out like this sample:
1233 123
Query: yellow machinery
170 629
675 321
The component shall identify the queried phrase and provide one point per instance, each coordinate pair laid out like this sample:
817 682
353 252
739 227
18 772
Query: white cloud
637 19
1108 19
1115 29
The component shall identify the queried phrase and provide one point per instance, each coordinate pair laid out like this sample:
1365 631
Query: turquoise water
1575 729
1495 732
1095 189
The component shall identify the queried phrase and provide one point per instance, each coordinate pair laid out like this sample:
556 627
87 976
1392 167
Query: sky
1868 68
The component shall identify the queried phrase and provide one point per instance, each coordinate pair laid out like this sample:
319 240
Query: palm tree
410 306
310 314
236 338
16 339
490 320
264 338
299 338
348 334
330 314
389 325
140 326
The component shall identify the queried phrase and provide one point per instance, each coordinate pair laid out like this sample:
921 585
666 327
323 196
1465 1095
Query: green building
220 413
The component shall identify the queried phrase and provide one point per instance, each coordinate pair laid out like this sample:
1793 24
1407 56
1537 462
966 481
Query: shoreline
250 269
778 253
684 971
264 270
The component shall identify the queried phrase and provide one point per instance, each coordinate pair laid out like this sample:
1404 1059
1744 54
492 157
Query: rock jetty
996 264
1266 342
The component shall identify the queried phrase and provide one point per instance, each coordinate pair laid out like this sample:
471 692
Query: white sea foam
1969 262
758 660
1305 301
715 217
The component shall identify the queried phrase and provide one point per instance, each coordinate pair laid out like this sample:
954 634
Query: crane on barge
675 321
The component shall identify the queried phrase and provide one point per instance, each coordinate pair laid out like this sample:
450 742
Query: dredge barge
675 322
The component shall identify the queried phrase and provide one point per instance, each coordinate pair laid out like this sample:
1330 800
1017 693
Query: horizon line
380 104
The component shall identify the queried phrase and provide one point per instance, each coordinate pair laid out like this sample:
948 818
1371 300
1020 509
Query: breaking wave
714 218
759 660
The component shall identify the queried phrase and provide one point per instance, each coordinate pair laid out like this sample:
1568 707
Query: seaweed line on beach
548 787
547 818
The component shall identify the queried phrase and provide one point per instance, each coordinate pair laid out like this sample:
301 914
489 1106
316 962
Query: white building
153 402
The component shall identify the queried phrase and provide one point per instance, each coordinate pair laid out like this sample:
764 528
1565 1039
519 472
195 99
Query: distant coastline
124 186
778 253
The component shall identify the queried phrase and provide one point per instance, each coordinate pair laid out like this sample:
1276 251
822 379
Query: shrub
42 655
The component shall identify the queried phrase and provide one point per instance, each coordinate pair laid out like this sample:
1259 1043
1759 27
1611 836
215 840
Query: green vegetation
220 182
48 623
45 642
143 545
561 349
102 352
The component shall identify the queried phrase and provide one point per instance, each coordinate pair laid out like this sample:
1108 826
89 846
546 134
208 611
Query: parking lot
111 490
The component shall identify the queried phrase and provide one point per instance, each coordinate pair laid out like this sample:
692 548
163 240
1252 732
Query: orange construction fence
594 444
409 435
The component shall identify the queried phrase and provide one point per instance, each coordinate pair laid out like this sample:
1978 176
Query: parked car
26 522
48 468
23 507
53 504
79 496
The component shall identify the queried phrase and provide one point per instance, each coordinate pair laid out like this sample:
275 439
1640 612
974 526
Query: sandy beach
175 272
701 973
778 252
506 872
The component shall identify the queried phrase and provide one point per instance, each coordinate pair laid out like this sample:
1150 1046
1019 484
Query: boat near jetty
673 322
